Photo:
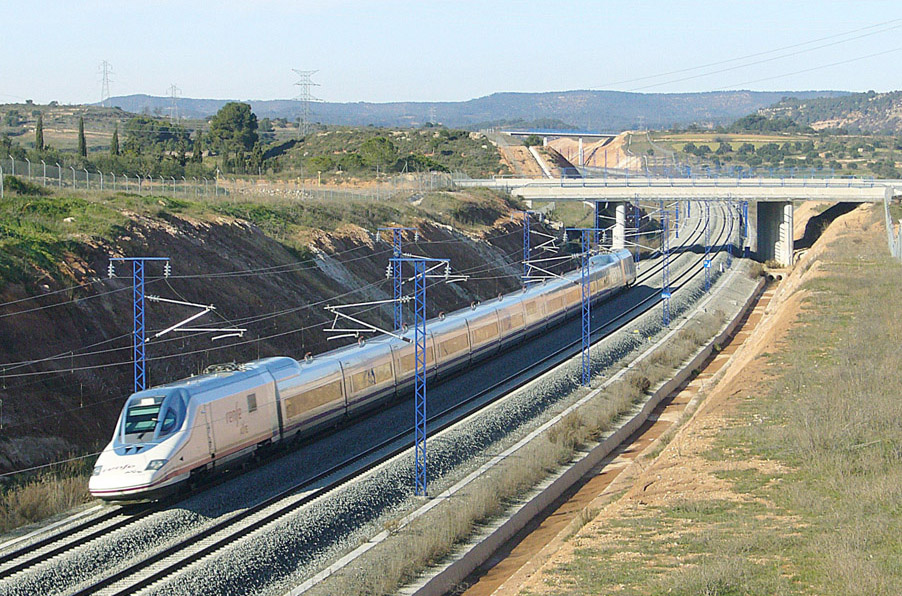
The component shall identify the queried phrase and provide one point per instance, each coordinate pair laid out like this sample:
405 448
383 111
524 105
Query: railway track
145 571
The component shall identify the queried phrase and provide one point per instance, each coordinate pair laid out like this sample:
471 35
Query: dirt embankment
71 401
520 161
605 153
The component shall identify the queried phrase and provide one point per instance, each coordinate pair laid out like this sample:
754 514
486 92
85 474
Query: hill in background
609 111
868 112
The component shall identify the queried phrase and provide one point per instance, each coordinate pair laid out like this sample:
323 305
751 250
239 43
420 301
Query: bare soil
521 162
594 153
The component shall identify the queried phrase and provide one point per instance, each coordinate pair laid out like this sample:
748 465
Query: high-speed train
168 435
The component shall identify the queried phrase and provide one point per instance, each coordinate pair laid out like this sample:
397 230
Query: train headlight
155 464
96 471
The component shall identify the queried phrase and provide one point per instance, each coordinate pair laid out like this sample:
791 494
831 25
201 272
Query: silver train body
168 434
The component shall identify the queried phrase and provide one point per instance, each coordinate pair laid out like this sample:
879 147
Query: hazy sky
367 50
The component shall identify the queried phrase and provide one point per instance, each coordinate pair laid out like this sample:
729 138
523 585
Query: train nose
115 481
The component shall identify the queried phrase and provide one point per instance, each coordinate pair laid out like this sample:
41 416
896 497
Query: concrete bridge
770 200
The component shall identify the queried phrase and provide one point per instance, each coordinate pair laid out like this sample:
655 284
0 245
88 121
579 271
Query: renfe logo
234 417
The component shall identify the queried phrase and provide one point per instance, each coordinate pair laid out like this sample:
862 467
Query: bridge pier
582 158
774 232
618 237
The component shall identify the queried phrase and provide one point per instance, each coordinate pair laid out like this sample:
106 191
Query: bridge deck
752 189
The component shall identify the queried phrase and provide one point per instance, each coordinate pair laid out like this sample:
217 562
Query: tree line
155 147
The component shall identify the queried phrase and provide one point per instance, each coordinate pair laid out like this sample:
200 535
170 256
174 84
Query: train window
407 363
555 304
574 295
485 333
372 376
173 415
168 422
516 320
452 346
307 400
532 307
251 403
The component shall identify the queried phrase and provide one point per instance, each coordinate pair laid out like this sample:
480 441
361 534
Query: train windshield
152 417
141 417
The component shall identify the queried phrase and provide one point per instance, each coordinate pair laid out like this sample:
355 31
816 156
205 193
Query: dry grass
44 496
430 538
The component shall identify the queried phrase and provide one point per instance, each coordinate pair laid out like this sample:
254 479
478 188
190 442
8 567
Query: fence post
1 181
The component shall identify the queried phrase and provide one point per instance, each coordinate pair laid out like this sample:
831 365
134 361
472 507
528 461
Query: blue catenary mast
419 334
637 219
586 295
598 223
420 274
585 286
527 248
138 307
397 279
665 269
707 246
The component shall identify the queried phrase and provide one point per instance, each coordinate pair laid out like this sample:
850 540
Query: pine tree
39 133
198 156
114 143
82 145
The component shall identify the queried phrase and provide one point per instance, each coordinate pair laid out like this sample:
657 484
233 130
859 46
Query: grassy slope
830 417
38 233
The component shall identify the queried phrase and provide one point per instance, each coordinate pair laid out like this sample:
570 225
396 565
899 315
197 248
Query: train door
207 413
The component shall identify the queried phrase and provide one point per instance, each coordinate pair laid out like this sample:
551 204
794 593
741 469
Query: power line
755 55
822 66
174 93
765 60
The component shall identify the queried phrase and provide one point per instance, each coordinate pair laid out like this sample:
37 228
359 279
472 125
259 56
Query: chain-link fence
83 179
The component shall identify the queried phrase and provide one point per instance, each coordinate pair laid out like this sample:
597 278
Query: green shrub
23 187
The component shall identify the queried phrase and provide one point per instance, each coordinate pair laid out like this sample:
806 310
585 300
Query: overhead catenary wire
766 60
115 398
239 321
